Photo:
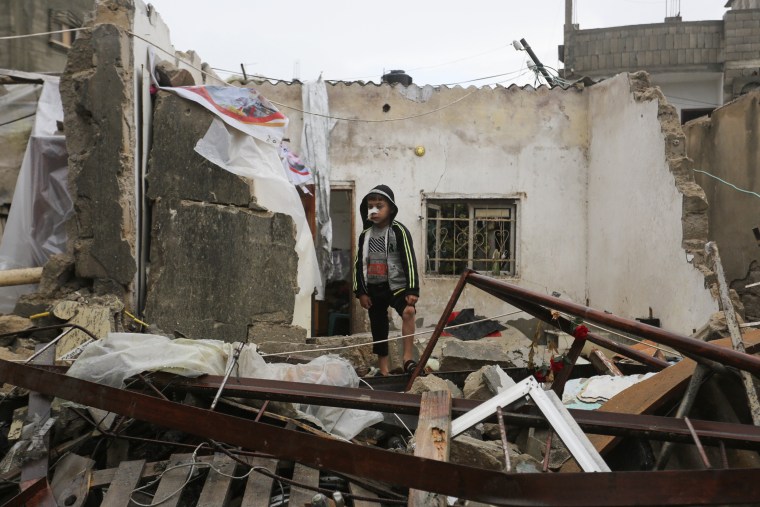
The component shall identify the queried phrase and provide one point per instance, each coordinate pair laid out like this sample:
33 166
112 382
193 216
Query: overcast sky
436 42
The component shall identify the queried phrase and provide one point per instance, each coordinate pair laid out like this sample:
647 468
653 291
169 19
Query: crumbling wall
727 145
221 267
98 100
647 217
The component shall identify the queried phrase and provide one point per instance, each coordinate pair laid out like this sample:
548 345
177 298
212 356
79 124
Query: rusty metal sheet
701 487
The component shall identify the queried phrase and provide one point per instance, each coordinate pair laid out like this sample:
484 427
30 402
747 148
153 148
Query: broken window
62 20
470 233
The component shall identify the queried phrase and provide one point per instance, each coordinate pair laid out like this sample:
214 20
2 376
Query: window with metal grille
470 233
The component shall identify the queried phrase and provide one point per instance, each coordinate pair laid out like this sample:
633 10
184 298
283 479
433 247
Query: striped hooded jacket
402 263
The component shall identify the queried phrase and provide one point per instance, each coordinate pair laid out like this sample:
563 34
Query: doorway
338 288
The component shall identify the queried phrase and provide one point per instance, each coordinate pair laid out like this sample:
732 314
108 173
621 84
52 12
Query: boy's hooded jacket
402 264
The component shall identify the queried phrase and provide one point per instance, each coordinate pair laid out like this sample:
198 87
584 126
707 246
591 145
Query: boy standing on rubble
385 273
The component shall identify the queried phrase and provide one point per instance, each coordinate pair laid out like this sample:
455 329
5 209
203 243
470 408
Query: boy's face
378 210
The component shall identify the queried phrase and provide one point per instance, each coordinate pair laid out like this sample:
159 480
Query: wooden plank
358 490
127 476
304 475
103 477
733 329
649 395
216 490
258 488
173 480
432 440
603 364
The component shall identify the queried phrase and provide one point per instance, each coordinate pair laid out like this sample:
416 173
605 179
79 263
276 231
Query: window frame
473 203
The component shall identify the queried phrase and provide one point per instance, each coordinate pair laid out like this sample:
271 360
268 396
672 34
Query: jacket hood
386 192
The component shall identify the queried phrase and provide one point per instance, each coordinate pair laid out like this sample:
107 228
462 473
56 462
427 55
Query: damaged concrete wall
600 215
727 145
220 266
98 100
647 218
527 145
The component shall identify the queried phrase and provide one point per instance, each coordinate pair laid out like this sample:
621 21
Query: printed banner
297 172
242 108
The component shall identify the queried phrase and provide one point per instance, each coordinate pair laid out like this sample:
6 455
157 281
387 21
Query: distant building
44 53
699 65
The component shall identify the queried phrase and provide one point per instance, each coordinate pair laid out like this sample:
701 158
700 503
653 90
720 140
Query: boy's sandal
409 366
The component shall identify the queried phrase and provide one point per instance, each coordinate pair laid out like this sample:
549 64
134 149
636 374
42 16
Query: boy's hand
411 299
365 301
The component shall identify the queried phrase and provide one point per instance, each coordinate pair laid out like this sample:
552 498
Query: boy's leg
378 320
407 329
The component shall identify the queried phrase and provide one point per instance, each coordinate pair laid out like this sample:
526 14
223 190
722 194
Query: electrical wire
727 183
427 331
8 37
394 413
18 119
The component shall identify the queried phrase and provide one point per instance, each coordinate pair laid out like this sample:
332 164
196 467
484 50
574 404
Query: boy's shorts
382 298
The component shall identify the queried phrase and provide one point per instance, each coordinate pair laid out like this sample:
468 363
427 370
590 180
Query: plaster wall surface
528 145
727 145
636 260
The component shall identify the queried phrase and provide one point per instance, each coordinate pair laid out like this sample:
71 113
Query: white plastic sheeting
41 201
122 355
315 146
251 158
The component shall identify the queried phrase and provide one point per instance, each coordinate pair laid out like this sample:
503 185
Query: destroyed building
183 242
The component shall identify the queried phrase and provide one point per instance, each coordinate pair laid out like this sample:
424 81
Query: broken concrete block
457 355
532 441
486 383
431 383
95 318
275 332
169 75
470 451
12 324
216 270
175 170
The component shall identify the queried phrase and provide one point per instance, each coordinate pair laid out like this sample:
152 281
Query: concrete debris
431 383
169 75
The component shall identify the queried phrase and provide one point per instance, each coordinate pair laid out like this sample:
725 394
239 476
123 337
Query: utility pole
537 62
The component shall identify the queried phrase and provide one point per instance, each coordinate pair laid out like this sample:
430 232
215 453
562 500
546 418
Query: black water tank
397 76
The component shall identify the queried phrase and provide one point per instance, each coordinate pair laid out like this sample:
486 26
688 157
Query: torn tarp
122 355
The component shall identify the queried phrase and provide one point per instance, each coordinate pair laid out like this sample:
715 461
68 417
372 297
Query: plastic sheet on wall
259 161
18 103
41 202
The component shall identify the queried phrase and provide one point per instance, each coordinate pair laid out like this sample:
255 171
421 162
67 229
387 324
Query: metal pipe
504 441
438 328
682 343
235 356
697 442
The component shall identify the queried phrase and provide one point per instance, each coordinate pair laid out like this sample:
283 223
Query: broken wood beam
432 440
733 328
486 486
683 344
603 364
21 276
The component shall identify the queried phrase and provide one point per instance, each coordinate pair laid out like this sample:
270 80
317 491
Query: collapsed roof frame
539 306
696 487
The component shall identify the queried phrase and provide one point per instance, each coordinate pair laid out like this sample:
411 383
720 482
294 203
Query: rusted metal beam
679 342
605 423
701 487
564 325
458 288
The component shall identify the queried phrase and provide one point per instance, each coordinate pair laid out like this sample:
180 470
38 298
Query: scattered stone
466 450
430 383
458 355
497 379
169 75
475 387
12 324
